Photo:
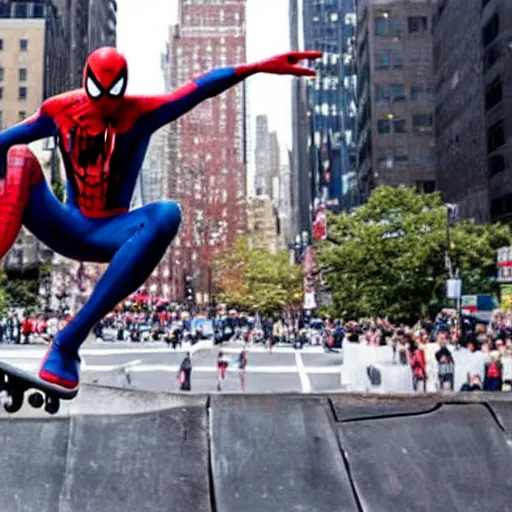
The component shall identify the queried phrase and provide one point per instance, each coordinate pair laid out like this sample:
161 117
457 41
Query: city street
154 367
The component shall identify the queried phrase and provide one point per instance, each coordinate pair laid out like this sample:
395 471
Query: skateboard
16 382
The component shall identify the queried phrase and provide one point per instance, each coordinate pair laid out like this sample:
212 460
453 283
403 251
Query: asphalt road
154 367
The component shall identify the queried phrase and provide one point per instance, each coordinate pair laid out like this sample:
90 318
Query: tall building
262 180
329 27
267 158
461 132
396 141
207 172
274 152
497 64
284 207
88 24
32 67
261 223
302 191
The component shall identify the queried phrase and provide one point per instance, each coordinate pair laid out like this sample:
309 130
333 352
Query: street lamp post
452 215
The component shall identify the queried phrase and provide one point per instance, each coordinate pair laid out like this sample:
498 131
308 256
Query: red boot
23 171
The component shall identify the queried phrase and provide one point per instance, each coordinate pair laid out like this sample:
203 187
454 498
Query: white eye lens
117 88
92 88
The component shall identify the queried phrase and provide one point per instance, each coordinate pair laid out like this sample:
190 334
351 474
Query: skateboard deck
16 382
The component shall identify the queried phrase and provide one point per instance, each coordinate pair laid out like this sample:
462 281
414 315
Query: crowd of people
484 349
139 322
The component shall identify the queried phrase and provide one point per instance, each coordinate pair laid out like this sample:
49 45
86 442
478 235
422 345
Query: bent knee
166 217
22 163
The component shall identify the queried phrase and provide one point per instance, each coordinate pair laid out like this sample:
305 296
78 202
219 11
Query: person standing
242 363
185 373
222 368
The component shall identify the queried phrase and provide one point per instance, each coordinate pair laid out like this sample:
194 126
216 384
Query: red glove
285 64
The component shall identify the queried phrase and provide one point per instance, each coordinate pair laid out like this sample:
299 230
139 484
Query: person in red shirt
27 329
419 366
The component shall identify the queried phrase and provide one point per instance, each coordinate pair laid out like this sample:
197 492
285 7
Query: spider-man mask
105 80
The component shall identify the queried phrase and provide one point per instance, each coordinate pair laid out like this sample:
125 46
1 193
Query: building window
417 24
422 123
397 93
39 11
491 56
496 164
493 93
1 45
426 186
491 30
1 93
22 115
398 61
20 11
382 92
495 136
386 26
382 60
399 126
22 93
5 10
417 92
384 126
2 73
22 74
23 44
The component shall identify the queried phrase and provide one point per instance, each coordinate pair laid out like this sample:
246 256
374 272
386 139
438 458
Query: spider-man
103 136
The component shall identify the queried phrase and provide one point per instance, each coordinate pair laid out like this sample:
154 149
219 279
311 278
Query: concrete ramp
113 450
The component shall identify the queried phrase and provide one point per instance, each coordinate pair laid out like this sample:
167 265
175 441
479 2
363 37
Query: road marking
40 352
303 376
275 350
138 366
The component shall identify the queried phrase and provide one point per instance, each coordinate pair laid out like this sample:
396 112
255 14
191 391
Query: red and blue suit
103 136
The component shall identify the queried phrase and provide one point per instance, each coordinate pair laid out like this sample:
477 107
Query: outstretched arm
160 110
34 128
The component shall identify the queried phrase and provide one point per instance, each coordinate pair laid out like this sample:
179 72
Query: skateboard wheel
15 401
52 405
36 400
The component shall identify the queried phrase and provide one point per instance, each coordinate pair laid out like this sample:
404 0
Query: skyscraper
329 27
461 134
88 24
396 140
267 158
262 180
323 158
32 68
207 172
300 156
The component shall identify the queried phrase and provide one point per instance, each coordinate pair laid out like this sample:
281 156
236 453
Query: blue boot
60 368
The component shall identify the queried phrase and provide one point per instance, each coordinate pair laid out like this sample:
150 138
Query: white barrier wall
356 359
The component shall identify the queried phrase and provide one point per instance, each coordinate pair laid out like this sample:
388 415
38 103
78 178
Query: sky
142 31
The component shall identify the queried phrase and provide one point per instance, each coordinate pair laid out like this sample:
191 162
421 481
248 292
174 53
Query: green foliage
257 279
3 294
53 166
21 293
388 257
58 190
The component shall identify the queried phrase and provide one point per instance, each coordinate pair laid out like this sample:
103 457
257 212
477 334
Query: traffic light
189 290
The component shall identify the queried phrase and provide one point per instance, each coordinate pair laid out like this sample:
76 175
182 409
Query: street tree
257 279
387 258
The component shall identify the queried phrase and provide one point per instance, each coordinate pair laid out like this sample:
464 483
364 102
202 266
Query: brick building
207 173
395 102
